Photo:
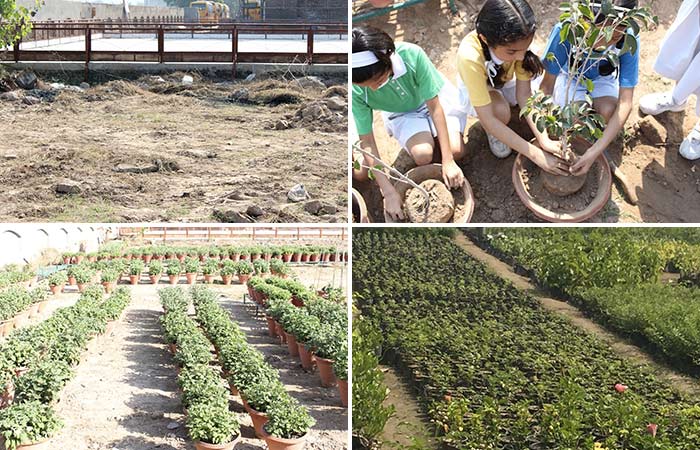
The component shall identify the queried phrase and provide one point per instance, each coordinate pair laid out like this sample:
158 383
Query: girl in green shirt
416 104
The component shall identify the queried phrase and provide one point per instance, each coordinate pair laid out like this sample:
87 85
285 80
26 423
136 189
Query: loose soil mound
534 184
442 205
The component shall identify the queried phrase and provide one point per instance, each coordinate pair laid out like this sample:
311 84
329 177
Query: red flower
620 388
651 428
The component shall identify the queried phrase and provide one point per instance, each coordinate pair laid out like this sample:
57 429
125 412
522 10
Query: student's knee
422 154
606 107
501 108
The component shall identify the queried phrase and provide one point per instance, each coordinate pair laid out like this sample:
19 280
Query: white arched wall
21 243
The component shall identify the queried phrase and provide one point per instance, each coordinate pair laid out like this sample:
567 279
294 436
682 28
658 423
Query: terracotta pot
43 445
596 204
154 278
8 394
243 278
180 257
79 258
191 278
134 279
209 279
275 443
287 257
259 418
55 289
174 279
306 357
235 257
244 257
71 281
128 257
343 388
305 257
296 302
147 258
81 287
206 446
66 260
267 257
254 256
280 332
296 257
292 346
271 327
233 388
434 172
226 279
313 258
108 286
325 370
172 348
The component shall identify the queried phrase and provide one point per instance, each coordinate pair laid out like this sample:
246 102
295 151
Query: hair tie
364 59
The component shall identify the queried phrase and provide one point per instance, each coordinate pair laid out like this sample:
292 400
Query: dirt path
125 393
621 346
409 424
647 151
330 431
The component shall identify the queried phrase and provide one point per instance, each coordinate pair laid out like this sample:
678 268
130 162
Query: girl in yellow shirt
488 59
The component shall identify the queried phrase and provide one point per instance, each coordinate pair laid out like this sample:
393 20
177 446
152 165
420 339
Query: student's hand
452 175
392 204
550 163
550 146
584 163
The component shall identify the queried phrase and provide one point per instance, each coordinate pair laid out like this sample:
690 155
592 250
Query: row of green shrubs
211 251
248 371
48 352
203 394
16 299
321 324
13 274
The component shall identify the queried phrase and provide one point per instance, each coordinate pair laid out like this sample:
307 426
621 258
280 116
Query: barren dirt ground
125 394
219 151
667 185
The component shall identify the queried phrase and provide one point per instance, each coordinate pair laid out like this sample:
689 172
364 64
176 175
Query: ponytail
365 38
533 64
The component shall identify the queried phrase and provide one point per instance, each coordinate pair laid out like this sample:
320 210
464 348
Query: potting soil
534 184
442 203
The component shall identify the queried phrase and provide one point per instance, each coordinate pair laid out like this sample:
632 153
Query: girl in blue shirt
613 91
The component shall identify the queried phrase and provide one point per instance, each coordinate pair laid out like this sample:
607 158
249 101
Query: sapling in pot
155 269
228 269
288 419
244 269
588 30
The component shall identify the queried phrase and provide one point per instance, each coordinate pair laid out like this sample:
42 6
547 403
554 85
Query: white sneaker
659 102
498 148
690 147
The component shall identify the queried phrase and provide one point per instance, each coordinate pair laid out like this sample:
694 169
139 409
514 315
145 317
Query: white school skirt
403 126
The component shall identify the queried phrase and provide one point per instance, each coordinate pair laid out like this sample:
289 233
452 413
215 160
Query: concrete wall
63 9
313 11
22 244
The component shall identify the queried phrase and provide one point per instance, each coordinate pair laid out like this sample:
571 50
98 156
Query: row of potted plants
209 422
288 253
17 305
277 417
12 274
37 362
314 328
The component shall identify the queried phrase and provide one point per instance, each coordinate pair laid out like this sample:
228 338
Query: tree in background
15 22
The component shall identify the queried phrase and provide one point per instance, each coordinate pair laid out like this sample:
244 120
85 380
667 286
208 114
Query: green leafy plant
261 266
43 382
191 265
58 278
27 423
586 29
244 268
228 268
288 419
214 425
155 268
136 267
109 275
210 267
174 268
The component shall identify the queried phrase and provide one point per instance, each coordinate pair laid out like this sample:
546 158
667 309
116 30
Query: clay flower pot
107 286
343 388
304 257
275 443
209 279
134 279
243 277
296 257
79 259
147 258
306 357
287 257
191 278
254 256
280 332
226 279
71 281
173 279
181 257
235 257
292 346
359 208
259 418
198 445
464 204
55 289
81 287
271 327
604 178
43 445
325 371
154 278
